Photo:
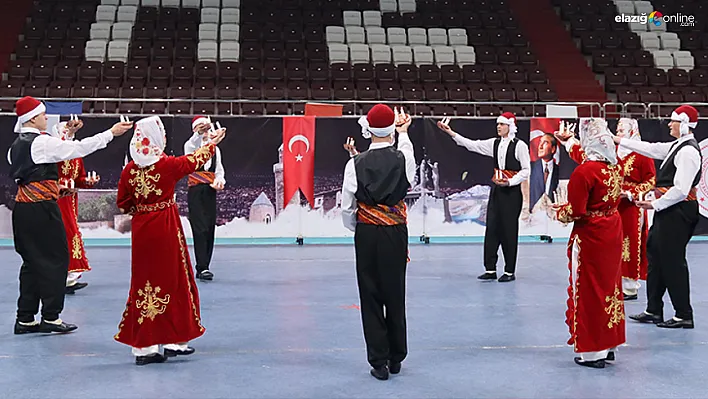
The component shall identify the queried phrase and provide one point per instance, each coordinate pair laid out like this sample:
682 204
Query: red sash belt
382 215
201 178
37 191
692 195
507 174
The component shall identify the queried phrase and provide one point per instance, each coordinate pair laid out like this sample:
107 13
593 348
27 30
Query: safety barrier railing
594 109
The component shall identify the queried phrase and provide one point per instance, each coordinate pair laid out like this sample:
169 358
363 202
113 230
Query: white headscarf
628 125
148 142
596 140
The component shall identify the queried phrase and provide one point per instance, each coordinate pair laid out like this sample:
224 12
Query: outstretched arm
651 150
47 149
483 147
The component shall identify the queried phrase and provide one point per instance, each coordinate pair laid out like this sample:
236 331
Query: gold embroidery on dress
152 305
76 247
187 268
200 156
575 241
625 250
154 207
565 214
66 168
629 165
615 308
613 182
144 183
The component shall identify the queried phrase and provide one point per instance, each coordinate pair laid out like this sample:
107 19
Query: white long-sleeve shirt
194 143
486 148
349 186
48 149
687 162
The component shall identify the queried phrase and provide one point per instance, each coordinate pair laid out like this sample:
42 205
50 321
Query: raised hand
74 125
217 136
120 128
403 120
350 147
444 125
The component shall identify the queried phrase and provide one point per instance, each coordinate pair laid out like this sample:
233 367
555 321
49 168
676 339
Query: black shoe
72 289
45 327
596 364
673 323
487 276
394 368
205 275
630 297
610 356
647 318
25 329
173 352
380 373
505 278
154 358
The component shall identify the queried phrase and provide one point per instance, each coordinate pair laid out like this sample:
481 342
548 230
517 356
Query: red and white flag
539 127
299 157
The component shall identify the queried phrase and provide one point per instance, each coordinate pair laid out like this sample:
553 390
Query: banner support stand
547 238
425 239
300 240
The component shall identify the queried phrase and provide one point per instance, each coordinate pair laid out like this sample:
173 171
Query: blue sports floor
282 322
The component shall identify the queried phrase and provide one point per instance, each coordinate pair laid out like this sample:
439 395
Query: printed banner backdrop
448 199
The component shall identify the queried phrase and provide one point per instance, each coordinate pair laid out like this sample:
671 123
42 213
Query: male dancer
675 218
375 184
512 165
203 185
37 224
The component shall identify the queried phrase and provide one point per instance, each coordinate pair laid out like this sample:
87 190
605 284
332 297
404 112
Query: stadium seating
654 61
266 50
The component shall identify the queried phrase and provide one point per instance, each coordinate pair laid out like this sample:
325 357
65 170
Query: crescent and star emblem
296 138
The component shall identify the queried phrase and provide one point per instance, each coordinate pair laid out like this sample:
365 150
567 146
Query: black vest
512 163
381 177
23 170
665 175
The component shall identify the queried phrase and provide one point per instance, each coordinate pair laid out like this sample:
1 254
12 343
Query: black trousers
503 211
40 239
666 254
381 261
202 217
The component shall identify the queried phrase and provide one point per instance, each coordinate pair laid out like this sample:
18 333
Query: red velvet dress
69 206
639 178
163 302
595 314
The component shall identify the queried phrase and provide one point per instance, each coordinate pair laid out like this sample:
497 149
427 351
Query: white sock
32 323
56 322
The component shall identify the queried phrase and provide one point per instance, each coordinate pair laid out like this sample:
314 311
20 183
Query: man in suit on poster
544 171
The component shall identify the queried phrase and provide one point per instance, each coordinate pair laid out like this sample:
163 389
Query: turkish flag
539 127
299 157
